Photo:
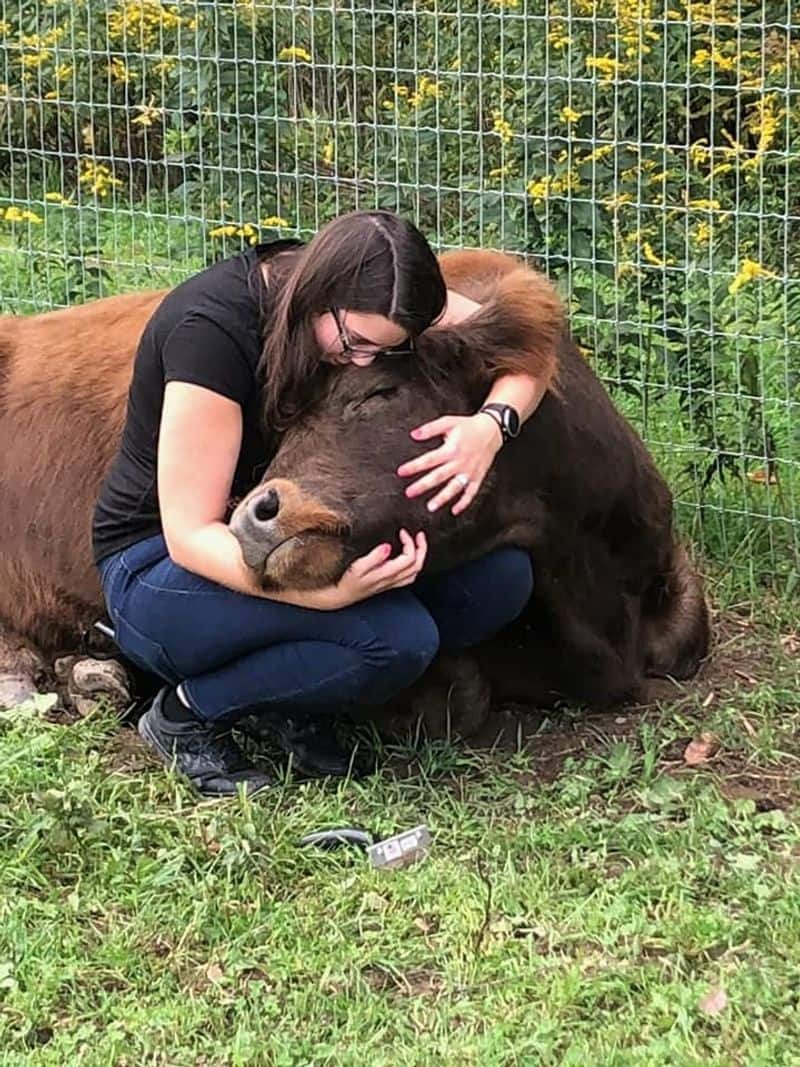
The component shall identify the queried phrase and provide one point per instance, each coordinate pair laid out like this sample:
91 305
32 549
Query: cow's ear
447 354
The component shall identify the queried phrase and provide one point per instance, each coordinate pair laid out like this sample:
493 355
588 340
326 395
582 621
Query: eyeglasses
404 349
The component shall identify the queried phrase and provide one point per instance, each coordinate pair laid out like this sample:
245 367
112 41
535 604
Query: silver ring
462 480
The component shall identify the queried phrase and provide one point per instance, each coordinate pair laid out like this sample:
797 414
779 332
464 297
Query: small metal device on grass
401 850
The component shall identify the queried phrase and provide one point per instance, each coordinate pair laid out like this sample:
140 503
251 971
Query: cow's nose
265 507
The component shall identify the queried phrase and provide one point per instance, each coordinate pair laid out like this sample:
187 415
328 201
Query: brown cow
615 595
615 599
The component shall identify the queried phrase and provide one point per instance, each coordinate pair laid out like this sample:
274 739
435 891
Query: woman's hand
372 574
459 464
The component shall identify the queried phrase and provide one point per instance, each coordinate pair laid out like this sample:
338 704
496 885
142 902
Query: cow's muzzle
289 538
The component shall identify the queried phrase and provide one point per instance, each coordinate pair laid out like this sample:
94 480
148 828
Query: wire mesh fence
644 152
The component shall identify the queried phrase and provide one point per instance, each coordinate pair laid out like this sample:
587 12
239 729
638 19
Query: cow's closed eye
371 402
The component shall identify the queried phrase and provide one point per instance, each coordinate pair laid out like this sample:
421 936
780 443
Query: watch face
511 420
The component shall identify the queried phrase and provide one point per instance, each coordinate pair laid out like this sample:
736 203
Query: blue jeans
233 651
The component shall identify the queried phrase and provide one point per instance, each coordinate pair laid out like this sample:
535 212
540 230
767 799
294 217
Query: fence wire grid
644 153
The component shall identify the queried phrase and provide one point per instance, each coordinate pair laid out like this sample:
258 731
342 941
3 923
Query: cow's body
615 598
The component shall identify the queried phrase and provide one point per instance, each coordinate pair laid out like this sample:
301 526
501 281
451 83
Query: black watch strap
506 418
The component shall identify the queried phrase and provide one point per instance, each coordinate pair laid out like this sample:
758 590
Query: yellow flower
166 65
651 256
704 205
142 22
569 115
721 168
699 152
63 71
425 87
274 221
605 65
148 114
558 36
614 203
14 214
598 153
713 58
702 233
32 60
764 120
505 3
539 189
293 52
228 230
5 28
118 69
635 21
56 198
97 177
328 153
503 129
748 272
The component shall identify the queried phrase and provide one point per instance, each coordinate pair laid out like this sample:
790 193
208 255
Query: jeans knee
512 572
402 655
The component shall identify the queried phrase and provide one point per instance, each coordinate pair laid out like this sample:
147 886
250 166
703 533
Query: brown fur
517 329
615 596
66 375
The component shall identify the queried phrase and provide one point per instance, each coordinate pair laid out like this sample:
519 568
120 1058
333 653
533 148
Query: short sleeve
200 352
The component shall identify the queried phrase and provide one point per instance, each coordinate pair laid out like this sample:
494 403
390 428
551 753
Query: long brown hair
369 261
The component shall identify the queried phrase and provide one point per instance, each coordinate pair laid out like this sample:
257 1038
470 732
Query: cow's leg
451 700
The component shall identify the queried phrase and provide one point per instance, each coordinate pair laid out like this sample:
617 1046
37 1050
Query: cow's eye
369 403
384 391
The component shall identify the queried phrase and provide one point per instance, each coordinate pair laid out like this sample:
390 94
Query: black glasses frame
395 351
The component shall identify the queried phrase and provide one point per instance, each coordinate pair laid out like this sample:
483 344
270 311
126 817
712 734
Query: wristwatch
506 418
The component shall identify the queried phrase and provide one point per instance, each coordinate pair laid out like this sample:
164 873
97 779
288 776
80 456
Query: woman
227 361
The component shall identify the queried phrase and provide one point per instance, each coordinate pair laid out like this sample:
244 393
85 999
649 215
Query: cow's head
332 492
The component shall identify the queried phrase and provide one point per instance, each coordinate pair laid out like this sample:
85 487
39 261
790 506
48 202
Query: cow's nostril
266 507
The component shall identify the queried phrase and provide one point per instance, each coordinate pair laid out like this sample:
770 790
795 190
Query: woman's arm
199 442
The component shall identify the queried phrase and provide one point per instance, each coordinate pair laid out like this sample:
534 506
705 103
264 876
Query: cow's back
64 377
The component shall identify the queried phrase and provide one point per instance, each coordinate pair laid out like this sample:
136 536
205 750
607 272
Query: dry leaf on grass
701 749
790 643
214 973
714 1002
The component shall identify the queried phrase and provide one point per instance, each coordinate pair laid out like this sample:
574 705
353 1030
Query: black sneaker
206 755
313 743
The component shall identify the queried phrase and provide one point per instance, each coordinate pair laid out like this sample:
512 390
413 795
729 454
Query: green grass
583 893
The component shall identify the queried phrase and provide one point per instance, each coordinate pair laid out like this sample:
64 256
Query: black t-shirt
207 331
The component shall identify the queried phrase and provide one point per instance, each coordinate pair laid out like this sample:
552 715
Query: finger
451 490
420 543
467 497
424 462
435 428
430 481
407 545
364 564
389 572
403 567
